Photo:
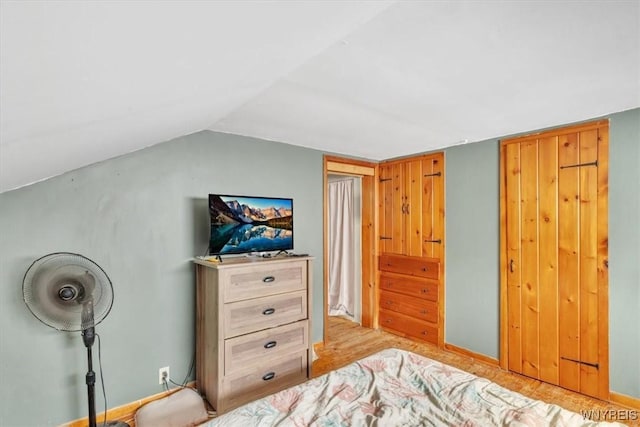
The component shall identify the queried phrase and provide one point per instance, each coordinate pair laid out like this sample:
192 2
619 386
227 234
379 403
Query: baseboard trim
125 412
624 400
477 356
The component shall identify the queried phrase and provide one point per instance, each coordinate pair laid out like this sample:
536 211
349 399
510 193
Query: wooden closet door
414 211
411 211
555 200
432 200
391 210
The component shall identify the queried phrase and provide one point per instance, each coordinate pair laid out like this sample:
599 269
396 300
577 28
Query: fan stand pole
88 336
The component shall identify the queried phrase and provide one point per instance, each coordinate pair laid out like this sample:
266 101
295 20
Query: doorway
365 292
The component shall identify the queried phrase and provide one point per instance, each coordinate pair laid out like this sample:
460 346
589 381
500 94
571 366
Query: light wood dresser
252 327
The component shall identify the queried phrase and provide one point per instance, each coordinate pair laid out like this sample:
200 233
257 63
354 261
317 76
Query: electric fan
69 292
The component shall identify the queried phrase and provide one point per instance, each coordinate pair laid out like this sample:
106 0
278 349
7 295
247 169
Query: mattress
399 388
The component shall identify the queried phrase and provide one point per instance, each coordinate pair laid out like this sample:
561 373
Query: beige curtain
341 248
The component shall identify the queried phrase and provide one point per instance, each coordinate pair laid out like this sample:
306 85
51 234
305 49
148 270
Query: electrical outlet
163 375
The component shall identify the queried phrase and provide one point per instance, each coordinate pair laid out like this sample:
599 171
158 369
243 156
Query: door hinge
433 241
594 163
433 174
385 179
593 365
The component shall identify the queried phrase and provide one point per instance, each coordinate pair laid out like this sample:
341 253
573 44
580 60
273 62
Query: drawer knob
424 332
270 344
425 290
268 376
387 321
425 268
268 279
423 311
269 311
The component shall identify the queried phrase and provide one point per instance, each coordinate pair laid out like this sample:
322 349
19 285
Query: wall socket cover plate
161 373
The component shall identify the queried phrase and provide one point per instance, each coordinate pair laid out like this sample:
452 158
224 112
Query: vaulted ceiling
81 81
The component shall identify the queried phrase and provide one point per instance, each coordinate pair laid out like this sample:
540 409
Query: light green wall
624 252
141 217
472 254
472 277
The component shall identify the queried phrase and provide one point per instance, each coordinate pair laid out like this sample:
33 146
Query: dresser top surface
238 261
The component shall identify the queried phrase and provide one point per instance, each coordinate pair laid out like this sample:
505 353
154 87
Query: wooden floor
349 342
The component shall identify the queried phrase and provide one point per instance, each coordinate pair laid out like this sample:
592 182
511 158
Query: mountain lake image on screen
241 224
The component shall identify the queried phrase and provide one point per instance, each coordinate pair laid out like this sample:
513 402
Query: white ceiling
82 82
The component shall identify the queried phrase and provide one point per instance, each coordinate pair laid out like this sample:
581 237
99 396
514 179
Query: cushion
184 408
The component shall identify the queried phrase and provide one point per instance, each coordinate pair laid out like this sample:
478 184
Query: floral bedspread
399 388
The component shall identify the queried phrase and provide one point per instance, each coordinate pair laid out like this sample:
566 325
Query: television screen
241 224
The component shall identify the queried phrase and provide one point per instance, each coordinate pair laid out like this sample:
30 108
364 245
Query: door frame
603 249
368 172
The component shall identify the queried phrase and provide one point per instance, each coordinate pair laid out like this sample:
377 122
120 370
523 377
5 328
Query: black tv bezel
217 254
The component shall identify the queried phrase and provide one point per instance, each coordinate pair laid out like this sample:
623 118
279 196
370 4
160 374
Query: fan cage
42 283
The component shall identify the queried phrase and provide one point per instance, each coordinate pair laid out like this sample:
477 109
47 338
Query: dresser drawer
271 376
261 313
415 266
254 349
262 280
411 306
408 326
425 289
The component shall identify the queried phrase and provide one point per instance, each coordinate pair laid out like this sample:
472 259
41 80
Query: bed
399 388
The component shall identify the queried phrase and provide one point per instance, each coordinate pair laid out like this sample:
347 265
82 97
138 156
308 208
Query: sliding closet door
555 202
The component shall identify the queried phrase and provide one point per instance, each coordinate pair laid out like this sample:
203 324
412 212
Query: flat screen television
242 224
